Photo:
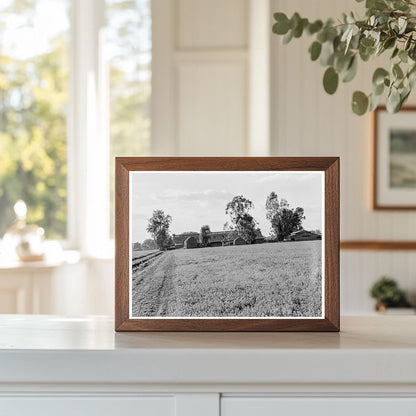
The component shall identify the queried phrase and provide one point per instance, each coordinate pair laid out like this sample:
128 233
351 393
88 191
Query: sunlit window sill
55 256
50 261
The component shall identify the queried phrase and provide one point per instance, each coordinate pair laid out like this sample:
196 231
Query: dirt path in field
152 287
167 294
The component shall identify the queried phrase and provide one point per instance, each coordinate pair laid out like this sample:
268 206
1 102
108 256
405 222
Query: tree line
284 220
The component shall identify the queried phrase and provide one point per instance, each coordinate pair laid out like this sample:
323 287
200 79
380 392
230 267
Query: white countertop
53 349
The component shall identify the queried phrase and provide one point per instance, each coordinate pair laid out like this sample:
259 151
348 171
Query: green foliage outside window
33 99
34 103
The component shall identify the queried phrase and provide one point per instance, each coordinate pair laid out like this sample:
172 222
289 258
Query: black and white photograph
226 244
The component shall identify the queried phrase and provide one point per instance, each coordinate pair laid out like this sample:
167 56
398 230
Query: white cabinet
270 406
80 366
87 406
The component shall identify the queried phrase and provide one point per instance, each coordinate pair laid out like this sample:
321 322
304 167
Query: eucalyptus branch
388 25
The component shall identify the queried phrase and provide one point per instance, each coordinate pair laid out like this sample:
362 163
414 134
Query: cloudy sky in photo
193 199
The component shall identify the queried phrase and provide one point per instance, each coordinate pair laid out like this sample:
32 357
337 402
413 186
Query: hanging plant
389 27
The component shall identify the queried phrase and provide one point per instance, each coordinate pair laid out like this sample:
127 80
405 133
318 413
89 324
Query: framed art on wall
394 159
227 244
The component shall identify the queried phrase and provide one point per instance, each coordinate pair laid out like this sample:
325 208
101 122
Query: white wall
211 69
200 77
308 122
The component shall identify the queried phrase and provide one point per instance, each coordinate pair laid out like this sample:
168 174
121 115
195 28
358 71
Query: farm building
179 239
259 237
232 236
191 242
303 235
216 238
239 241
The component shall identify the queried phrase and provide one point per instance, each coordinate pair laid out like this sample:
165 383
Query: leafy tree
204 235
241 221
33 102
137 246
284 220
149 244
158 227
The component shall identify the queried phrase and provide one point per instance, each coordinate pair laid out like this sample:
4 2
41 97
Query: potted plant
387 294
389 27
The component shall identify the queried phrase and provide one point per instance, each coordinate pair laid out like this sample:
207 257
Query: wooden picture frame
128 169
394 184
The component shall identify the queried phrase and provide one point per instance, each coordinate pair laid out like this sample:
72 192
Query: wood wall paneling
308 122
212 102
212 24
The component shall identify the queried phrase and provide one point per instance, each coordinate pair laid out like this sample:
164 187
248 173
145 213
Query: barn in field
216 239
179 239
239 241
191 242
303 235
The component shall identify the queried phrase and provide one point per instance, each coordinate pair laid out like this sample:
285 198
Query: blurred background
83 81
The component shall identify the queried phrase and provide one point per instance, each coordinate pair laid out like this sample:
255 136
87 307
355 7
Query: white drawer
273 406
87 406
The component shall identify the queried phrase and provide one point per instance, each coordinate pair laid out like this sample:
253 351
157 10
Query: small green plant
389 26
388 294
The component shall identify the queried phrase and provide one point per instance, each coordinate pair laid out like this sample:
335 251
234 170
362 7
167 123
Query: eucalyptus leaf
322 36
397 71
351 71
359 103
298 30
404 96
378 89
315 50
403 56
389 43
366 53
330 80
341 62
327 53
379 75
393 101
376 4
367 42
314 27
402 22
281 26
395 52
288 37
374 102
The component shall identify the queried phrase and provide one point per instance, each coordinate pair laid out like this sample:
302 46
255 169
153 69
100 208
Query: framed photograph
227 244
394 179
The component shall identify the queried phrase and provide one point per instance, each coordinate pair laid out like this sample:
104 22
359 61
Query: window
129 43
33 102
75 87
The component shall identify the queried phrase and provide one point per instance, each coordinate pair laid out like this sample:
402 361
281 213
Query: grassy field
279 279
